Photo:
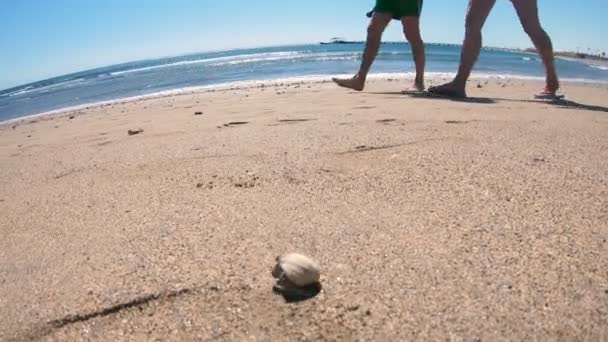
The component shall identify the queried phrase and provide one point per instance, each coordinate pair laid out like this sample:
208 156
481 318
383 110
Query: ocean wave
44 89
19 92
260 56
130 71
600 67
235 60
313 57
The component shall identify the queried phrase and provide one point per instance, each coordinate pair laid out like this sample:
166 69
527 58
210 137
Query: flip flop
412 91
549 96
445 92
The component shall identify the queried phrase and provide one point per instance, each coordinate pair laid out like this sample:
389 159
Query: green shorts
399 8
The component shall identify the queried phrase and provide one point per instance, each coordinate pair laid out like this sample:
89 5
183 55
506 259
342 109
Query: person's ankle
552 86
459 82
360 79
360 76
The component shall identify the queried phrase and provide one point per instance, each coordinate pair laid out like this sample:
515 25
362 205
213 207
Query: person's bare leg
411 29
376 27
476 17
527 10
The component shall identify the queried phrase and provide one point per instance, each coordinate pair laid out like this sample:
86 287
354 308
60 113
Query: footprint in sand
456 122
365 148
388 122
246 182
296 120
235 123
208 186
291 121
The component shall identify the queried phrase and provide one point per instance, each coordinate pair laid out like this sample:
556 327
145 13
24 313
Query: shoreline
253 84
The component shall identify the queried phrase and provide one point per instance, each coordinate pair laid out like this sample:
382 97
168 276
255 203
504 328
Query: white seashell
298 269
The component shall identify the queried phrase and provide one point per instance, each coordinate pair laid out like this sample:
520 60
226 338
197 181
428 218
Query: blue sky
44 38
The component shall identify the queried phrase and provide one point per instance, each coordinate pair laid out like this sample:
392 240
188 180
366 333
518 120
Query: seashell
297 269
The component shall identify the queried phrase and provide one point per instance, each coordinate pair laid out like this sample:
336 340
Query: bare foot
449 90
355 83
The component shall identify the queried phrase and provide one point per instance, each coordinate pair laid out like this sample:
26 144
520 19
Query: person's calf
543 44
418 54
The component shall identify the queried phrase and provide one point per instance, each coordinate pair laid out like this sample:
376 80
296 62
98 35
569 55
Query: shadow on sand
563 103
298 294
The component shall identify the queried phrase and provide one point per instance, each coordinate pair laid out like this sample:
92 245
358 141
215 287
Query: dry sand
432 219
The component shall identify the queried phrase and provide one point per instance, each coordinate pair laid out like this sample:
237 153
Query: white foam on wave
335 56
252 58
601 67
310 79
65 84
255 58
216 61
19 92
130 71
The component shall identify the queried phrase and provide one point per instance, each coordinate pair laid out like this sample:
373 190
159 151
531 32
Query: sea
250 67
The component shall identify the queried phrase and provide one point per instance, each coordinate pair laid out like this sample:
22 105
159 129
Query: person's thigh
411 27
527 10
477 13
378 23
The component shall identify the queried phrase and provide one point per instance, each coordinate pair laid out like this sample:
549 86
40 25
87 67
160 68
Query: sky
46 38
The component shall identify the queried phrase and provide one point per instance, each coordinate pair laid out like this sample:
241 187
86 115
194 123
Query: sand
432 219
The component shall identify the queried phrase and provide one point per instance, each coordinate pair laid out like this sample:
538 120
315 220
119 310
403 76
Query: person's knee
535 31
472 26
413 38
411 30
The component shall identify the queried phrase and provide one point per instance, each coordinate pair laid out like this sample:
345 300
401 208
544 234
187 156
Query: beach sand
432 219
